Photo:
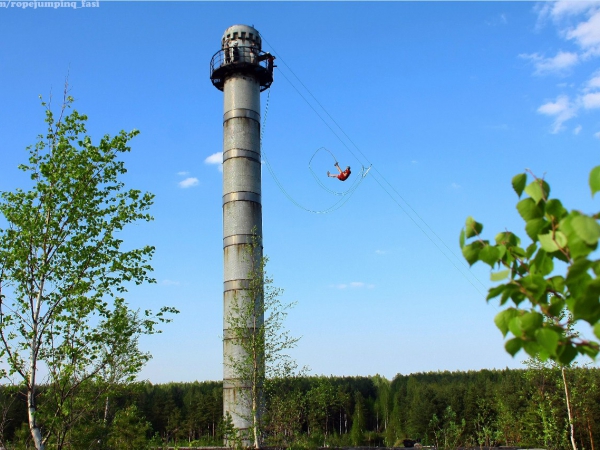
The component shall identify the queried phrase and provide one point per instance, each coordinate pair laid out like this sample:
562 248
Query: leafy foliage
529 277
64 272
255 319
516 408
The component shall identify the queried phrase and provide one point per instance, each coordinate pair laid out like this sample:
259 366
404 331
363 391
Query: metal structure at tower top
242 71
241 53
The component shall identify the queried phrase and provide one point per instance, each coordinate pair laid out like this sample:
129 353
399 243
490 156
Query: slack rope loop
358 177
379 178
345 196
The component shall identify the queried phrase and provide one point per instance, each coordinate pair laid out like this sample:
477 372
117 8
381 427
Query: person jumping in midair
343 175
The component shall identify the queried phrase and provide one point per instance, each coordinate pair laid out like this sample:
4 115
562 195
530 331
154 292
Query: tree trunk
34 428
36 434
106 411
569 409
589 429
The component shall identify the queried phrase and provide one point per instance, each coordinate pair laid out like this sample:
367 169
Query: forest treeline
524 408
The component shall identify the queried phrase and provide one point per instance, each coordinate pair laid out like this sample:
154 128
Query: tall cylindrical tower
242 71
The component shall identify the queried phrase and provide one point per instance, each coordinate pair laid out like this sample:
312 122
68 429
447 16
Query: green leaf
529 209
472 228
535 227
538 190
461 239
498 276
595 180
578 271
586 305
557 283
586 228
518 183
531 249
507 239
548 339
597 330
552 243
471 252
502 251
495 291
489 255
554 209
591 349
535 285
531 321
512 346
514 326
566 354
542 264
503 318
577 246
556 307
531 347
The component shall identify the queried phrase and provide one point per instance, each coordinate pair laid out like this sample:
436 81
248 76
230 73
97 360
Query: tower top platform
241 54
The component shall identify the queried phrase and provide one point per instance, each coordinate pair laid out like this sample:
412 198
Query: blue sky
447 100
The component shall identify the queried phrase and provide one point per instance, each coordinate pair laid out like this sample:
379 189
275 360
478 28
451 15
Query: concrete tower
242 71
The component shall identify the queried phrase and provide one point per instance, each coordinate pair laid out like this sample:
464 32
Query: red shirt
344 175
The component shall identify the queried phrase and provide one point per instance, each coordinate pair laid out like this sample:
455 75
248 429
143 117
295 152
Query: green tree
284 418
537 293
382 403
447 431
63 273
544 418
320 400
357 431
129 430
256 320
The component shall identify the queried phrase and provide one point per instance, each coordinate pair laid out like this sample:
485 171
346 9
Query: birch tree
64 272
256 319
531 278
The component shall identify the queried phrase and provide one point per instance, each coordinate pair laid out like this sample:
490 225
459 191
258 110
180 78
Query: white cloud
554 108
215 158
188 182
381 252
455 186
170 283
597 134
561 109
568 8
594 82
587 34
557 64
183 174
591 101
576 22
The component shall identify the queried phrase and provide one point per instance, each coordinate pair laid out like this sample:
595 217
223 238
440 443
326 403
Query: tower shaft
242 224
242 71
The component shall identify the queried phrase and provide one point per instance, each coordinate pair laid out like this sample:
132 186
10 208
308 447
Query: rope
377 174
345 195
